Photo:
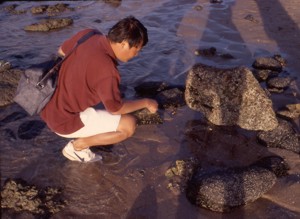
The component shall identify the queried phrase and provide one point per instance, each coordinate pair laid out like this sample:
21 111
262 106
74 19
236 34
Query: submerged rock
229 97
279 83
222 190
144 117
50 24
168 96
172 98
284 136
179 173
270 63
21 196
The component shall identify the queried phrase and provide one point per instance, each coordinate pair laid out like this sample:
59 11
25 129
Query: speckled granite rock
229 97
222 190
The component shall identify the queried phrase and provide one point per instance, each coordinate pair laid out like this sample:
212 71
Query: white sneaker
84 156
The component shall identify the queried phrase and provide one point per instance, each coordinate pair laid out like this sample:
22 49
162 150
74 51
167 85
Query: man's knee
127 125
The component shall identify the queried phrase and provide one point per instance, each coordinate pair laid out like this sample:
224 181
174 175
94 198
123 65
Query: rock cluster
21 196
271 70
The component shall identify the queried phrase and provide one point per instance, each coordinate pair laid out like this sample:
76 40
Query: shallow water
131 184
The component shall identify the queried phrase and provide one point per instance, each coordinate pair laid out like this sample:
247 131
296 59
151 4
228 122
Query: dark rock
222 190
280 59
275 164
50 24
284 136
144 117
20 196
261 75
267 63
279 82
172 98
227 56
212 51
229 97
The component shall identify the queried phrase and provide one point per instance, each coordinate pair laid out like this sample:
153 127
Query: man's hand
152 105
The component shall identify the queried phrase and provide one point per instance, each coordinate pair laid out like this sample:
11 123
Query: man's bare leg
125 129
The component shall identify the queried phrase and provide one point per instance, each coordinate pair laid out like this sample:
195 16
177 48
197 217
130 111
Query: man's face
126 53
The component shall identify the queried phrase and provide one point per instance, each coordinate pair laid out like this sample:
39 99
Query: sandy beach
132 182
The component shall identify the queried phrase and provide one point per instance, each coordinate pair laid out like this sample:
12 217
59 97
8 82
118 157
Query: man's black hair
129 29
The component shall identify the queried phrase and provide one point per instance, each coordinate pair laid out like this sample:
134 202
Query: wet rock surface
9 79
290 111
229 97
271 63
18 195
279 83
224 189
284 136
49 24
144 117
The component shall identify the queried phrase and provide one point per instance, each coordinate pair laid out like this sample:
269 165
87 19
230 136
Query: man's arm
60 52
134 105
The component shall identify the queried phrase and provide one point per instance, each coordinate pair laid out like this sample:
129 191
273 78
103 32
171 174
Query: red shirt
86 78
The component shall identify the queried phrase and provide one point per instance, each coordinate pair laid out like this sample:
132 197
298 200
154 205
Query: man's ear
124 44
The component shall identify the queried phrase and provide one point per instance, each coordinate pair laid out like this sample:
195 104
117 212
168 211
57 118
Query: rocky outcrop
229 97
224 189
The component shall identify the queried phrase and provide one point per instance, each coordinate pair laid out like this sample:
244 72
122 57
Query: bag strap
41 84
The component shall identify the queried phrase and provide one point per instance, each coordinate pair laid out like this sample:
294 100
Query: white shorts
95 122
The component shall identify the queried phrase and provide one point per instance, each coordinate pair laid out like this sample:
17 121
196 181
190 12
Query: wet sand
132 184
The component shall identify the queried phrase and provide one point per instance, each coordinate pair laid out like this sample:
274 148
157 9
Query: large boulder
229 97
